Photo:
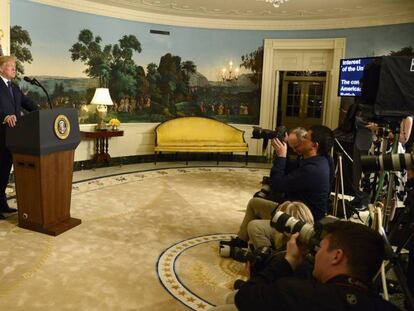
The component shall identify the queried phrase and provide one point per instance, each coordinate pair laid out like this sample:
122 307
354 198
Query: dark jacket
8 106
309 183
275 289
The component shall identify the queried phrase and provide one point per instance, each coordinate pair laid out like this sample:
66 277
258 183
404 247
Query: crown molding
85 6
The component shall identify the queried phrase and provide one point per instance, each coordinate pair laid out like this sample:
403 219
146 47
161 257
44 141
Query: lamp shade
102 97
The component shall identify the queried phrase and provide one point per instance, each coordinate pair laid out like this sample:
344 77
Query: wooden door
302 100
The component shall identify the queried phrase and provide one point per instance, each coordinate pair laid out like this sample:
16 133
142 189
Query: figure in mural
220 110
244 109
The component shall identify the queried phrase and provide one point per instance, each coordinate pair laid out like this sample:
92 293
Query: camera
387 162
279 133
309 235
258 258
237 253
266 189
259 133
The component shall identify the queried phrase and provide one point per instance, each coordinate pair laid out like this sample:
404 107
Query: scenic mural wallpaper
158 72
151 77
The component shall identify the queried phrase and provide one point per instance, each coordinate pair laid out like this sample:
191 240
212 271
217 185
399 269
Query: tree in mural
153 76
123 68
405 51
155 92
142 87
254 62
19 40
112 65
89 51
188 68
173 80
168 68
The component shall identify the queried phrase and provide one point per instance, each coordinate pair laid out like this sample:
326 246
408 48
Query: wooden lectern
43 145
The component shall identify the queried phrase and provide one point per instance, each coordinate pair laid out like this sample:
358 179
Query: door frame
300 79
271 76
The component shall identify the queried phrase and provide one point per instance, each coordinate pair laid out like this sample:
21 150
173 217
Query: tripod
394 259
387 195
339 182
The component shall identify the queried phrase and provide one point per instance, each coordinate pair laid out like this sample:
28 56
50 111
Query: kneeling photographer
348 256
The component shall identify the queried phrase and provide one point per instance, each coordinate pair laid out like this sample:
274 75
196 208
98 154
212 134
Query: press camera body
257 257
279 133
265 134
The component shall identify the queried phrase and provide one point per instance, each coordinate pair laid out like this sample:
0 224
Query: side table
101 143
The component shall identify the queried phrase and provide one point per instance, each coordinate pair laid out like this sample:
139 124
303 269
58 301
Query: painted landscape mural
168 87
158 72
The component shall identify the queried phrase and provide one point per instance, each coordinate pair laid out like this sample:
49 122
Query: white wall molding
5 26
223 23
275 49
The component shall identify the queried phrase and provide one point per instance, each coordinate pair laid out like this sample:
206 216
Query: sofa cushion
198 134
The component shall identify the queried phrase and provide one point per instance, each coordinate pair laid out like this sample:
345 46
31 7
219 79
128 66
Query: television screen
350 74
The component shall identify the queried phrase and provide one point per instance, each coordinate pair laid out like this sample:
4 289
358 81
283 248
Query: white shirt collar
5 80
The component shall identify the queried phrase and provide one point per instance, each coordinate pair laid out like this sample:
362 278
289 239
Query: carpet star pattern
169 278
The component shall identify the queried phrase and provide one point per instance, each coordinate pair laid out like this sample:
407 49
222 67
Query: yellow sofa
198 134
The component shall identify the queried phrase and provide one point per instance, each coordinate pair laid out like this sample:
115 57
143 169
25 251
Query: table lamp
102 99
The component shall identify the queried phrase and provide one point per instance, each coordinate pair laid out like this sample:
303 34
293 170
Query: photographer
262 234
293 141
347 260
309 182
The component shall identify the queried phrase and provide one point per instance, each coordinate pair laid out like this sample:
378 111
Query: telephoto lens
387 162
259 133
289 225
309 235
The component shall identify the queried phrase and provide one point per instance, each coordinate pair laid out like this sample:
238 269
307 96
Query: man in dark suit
12 100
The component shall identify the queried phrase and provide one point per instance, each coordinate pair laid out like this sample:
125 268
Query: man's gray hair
299 132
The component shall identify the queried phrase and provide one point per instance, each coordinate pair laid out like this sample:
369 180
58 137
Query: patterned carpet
148 241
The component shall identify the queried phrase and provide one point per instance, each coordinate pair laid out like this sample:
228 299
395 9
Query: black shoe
8 210
2 217
235 242
238 284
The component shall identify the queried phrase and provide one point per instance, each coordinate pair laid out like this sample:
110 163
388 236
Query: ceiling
253 14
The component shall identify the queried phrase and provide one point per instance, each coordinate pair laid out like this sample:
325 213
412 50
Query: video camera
309 235
265 134
387 162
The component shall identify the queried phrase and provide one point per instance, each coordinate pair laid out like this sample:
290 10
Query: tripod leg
342 185
396 265
335 205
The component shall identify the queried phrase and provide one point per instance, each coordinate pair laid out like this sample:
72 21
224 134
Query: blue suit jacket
8 106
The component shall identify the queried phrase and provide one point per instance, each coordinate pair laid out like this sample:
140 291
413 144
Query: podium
43 145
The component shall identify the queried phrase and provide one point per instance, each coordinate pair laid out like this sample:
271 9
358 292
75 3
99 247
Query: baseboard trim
180 157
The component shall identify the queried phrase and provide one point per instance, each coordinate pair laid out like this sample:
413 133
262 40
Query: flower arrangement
114 123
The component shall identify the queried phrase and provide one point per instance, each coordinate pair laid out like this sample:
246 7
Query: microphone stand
37 83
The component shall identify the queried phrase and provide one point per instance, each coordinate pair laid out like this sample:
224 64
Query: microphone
30 80
37 83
